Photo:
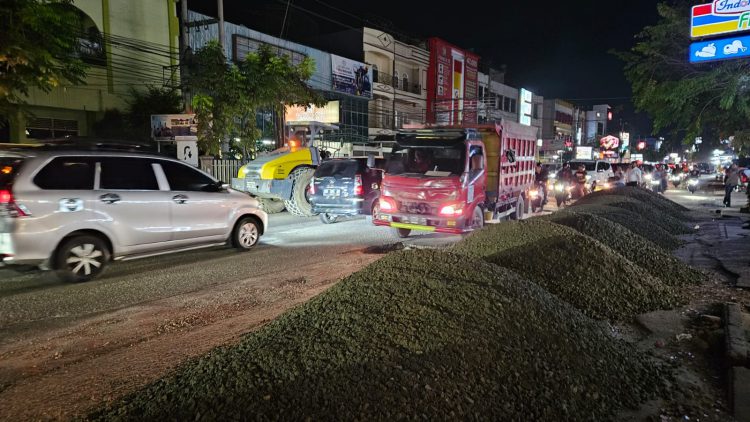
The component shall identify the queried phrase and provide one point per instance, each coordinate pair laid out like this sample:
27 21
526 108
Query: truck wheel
81 258
299 204
477 220
271 206
403 233
518 213
328 218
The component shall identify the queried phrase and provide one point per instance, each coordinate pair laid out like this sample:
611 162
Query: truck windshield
427 161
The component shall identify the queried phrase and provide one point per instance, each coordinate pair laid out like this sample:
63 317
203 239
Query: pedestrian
731 180
633 176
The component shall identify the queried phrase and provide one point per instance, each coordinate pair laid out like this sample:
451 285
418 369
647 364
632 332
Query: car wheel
375 210
328 218
403 233
246 234
81 258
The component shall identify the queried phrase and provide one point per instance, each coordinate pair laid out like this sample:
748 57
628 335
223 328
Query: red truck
446 179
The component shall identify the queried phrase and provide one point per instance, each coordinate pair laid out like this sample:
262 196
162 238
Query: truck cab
445 179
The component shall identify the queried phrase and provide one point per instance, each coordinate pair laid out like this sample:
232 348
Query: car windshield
427 161
590 166
8 168
337 168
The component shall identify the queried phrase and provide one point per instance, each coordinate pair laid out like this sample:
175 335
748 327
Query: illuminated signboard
722 49
524 114
609 142
327 114
720 17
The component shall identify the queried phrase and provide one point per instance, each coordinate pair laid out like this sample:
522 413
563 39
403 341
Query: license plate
332 193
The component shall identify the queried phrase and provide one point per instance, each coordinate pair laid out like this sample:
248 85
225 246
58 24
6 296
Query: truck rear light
451 211
387 204
9 204
359 190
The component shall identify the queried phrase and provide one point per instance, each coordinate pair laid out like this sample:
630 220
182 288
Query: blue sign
723 49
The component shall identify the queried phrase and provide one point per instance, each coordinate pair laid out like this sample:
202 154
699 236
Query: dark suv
345 187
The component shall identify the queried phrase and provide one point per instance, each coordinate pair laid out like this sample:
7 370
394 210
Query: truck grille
420 208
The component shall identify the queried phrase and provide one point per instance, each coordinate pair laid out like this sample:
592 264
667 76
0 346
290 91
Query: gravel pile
644 195
418 335
500 237
635 248
671 221
590 276
633 222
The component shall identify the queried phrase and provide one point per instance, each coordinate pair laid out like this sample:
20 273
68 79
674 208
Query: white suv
73 210
599 172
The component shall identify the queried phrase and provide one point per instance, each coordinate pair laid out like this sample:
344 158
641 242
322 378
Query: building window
600 128
406 82
47 128
375 73
394 83
481 92
506 104
512 105
536 111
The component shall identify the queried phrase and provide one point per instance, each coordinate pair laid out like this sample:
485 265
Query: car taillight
359 190
451 211
387 204
9 204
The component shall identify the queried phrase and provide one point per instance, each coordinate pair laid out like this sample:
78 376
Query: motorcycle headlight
693 182
647 177
588 177
534 194
655 182
559 188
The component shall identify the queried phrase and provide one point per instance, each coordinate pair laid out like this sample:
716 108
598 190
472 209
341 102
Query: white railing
223 170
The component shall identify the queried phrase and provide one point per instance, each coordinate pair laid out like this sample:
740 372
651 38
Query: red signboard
452 84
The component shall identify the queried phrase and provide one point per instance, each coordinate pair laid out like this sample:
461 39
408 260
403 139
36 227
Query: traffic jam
74 209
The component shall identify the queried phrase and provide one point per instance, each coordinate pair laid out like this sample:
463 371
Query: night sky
558 49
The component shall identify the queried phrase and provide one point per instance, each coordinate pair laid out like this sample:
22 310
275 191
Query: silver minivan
74 211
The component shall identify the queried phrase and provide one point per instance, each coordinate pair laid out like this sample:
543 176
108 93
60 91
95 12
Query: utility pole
220 5
394 81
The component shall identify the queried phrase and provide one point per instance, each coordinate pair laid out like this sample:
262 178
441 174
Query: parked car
345 187
599 172
74 210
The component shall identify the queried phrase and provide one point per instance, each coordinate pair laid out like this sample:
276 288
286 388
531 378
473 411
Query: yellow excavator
282 178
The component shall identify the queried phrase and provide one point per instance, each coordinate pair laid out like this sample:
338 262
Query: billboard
452 84
351 77
719 17
584 153
609 142
174 127
326 114
524 110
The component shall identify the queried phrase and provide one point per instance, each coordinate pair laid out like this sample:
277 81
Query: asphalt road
38 297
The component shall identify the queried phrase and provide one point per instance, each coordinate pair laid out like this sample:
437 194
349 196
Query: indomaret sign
720 17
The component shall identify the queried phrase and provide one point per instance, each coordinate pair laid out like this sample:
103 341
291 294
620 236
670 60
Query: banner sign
584 153
719 17
327 114
722 49
351 77
170 127
524 111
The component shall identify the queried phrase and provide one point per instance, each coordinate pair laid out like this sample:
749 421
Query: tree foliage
227 96
38 46
685 99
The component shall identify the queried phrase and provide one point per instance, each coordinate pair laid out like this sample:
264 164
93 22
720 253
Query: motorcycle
562 193
692 185
578 190
537 197
676 180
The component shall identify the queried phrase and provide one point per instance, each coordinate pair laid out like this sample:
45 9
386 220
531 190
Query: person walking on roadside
731 180
634 176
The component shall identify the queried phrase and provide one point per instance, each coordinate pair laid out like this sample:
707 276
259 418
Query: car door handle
110 198
180 199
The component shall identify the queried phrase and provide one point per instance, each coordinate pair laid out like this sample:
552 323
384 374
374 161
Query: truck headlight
242 173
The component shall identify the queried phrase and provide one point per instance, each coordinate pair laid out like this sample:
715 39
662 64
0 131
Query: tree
135 123
227 97
38 48
687 100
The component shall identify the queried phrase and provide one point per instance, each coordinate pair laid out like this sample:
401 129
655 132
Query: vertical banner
452 84
471 89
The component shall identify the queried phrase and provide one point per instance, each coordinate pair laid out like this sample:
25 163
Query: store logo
731 7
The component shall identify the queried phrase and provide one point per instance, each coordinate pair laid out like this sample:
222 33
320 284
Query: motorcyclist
541 177
565 174
580 180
